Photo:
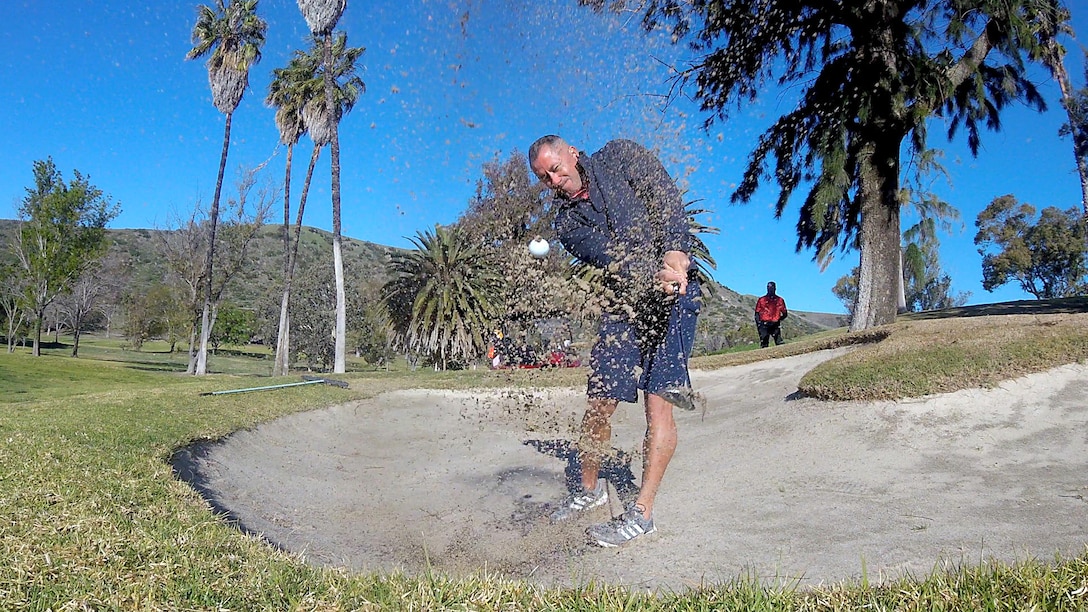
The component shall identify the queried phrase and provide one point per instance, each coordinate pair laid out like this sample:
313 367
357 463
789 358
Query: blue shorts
662 351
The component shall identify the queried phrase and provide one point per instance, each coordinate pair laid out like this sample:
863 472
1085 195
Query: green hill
726 318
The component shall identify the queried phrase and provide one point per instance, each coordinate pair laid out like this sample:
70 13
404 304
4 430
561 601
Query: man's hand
673 276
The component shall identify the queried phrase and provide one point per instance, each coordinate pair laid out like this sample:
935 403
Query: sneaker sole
575 512
603 544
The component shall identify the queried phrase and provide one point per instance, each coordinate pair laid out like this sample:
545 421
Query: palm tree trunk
340 365
901 288
1057 68
284 330
206 320
287 209
283 341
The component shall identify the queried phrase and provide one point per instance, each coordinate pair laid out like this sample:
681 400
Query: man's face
557 167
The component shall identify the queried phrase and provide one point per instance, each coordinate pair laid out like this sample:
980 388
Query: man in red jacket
770 311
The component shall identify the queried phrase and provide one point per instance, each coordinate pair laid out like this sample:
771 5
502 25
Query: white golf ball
539 247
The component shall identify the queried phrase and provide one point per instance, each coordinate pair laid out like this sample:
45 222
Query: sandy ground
763 484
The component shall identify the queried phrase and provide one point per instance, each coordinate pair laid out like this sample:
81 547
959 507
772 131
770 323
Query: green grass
91 516
926 356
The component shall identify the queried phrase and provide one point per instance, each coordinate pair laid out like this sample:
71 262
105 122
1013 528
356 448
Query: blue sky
103 87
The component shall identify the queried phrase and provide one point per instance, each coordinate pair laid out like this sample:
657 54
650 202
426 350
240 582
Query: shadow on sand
615 467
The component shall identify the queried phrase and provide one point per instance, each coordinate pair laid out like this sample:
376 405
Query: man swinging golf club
620 211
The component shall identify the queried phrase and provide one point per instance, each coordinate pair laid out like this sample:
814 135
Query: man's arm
665 213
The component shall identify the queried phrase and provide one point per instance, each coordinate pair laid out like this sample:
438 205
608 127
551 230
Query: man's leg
667 368
596 439
778 334
593 443
658 447
764 334
664 368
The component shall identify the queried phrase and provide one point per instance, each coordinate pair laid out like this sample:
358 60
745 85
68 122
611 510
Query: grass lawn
91 516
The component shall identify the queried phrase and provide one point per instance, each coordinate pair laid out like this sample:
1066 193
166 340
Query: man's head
555 163
771 288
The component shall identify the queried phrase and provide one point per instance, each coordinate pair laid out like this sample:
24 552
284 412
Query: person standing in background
770 312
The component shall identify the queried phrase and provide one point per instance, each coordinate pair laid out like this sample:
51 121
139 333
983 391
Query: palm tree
322 16
444 296
1052 55
298 93
231 35
286 94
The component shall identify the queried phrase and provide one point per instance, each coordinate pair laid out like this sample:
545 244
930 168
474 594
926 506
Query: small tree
81 303
234 326
184 247
139 324
118 284
926 286
62 232
159 312
444 296
371 335
1044 255
313 301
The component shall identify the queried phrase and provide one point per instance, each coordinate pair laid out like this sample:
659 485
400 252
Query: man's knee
598 413
658 411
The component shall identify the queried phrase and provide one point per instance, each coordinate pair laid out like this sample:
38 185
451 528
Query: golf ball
539 247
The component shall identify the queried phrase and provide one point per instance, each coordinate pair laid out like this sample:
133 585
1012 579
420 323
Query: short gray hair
551 141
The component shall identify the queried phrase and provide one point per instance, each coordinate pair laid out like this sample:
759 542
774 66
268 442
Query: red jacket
770 309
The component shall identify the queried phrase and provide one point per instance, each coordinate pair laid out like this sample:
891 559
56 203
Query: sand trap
762 484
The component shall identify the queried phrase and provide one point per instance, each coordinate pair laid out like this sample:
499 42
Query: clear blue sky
104 88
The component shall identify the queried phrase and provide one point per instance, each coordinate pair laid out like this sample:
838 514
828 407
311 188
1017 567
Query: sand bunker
762 484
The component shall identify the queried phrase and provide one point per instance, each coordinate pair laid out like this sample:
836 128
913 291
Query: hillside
727 314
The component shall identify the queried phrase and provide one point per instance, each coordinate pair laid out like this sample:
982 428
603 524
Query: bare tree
78 305
183 248
11 301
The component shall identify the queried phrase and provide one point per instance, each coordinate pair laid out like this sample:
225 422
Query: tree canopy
231 36
1043 254
444 295
61 234
869 76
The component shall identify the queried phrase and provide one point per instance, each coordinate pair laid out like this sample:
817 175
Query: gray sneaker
681 397
622 529
580 501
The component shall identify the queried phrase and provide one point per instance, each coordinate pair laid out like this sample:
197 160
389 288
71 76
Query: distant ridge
724 312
